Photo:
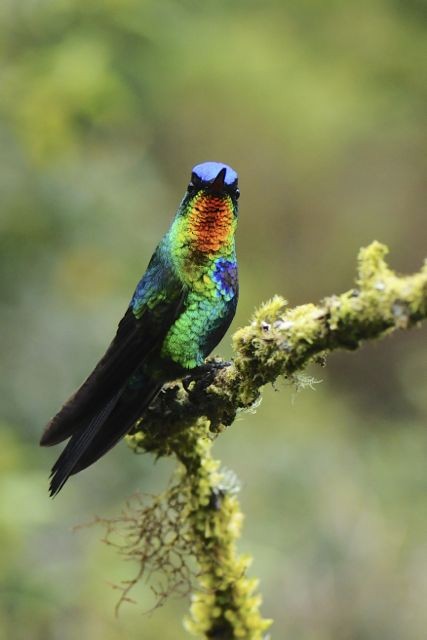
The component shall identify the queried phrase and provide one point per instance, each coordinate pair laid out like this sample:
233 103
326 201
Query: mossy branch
281 341
188 414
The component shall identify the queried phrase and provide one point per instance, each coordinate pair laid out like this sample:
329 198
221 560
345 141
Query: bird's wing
104 430
157 301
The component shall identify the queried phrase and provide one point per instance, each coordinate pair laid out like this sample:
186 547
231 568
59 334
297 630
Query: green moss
279 341
226 603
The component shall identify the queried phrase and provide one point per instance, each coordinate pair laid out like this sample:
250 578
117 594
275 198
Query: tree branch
280 342
199 515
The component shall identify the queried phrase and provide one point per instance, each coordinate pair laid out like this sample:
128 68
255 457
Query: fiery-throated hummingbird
181 308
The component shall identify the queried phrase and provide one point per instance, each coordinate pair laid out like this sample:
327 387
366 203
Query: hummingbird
180 310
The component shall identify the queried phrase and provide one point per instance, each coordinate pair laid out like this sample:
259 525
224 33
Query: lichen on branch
281 341
187 415
198 518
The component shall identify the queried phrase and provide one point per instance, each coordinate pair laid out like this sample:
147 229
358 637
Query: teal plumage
180 310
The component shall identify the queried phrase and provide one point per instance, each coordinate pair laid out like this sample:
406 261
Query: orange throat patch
211 223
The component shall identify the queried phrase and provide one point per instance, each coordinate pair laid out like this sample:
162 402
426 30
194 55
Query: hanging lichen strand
198 517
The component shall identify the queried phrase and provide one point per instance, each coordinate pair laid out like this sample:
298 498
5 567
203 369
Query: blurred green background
104 108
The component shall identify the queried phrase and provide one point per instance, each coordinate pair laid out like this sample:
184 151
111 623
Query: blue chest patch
225 277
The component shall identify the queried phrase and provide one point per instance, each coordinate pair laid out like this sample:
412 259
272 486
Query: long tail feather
100 435
63 467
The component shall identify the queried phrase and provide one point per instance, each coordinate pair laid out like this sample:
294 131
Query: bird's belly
189 340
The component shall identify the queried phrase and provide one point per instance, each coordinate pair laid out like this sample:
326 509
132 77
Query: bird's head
214 179
206 219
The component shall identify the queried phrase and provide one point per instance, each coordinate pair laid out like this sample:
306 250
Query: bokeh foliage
104 107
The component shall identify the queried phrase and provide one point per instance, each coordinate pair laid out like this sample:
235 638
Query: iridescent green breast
208 311
202 250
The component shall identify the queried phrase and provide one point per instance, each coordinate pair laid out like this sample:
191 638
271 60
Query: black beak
218 183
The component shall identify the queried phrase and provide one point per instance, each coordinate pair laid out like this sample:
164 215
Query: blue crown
208 171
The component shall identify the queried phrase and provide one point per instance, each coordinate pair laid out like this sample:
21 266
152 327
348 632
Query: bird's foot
201 377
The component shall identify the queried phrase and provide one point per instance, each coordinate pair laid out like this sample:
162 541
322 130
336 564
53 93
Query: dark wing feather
79 442
156 303
104 431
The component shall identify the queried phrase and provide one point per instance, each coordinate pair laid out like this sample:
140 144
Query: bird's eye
237 194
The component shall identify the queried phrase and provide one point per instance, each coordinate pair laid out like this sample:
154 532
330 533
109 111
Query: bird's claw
203 375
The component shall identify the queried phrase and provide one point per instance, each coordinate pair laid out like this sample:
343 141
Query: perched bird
181 308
